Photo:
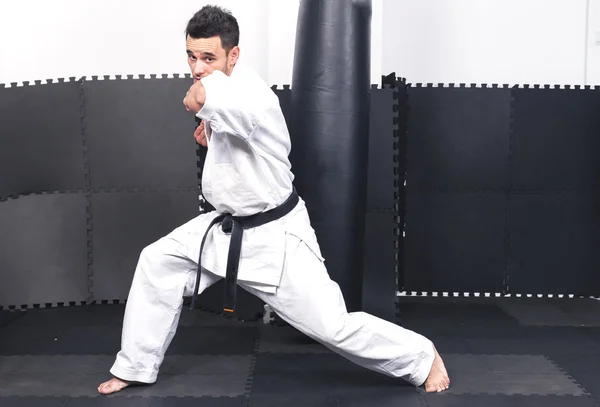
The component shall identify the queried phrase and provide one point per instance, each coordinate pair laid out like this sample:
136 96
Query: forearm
200 96
228 106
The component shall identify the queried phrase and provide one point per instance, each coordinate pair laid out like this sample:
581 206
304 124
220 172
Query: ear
234 54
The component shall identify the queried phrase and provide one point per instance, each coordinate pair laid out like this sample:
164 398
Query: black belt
236 225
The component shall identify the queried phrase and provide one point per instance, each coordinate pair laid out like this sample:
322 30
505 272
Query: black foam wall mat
556 140
42 149
139 133
380 170
455 242
381 224
554 241
124 223
458 138
44 250
285 102
379 278
535 148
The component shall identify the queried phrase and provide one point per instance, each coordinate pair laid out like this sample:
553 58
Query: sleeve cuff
211 84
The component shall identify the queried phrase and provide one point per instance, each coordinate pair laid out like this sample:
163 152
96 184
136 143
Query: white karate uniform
247 171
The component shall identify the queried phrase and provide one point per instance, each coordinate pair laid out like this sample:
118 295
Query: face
206 55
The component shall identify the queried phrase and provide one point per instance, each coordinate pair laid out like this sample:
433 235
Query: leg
312 303
154 304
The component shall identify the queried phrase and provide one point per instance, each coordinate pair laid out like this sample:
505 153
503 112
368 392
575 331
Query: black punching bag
330 110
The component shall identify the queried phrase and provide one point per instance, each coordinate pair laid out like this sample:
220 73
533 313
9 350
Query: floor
499 352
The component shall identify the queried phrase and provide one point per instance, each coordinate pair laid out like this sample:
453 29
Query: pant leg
311 302
162 277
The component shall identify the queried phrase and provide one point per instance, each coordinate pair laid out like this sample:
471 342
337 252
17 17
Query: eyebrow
206 54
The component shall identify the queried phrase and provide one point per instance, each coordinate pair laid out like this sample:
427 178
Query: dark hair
211 21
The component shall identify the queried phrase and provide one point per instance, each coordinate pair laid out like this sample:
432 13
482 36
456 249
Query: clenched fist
195 97
200 134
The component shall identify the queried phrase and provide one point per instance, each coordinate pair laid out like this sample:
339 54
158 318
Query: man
247 172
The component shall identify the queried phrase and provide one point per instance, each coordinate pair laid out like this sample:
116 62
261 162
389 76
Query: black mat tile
106 340
148 141
455 315
536 341
64 317
380 170
203 318
78 385
555 142
100 364
549 234
43 249
286 339
121 230
9 317
574 312
278 399
452 131
293 373
112 401
34 401
592 333
507 375
440 260
379 276
59 340
380 397
219 340
42 144
453 400
581 368
334 398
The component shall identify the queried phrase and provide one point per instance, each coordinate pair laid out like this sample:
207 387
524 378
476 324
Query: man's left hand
195 97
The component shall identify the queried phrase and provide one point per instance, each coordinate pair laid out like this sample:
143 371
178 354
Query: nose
200 69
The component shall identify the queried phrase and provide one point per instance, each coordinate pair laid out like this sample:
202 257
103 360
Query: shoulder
246 77
245 73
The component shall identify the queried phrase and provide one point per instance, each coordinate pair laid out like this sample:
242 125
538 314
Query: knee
155 257
151 253
331 330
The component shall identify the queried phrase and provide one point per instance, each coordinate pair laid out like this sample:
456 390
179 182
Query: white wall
593 43
438 41
486 41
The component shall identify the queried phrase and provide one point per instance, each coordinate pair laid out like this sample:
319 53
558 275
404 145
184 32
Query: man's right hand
200 135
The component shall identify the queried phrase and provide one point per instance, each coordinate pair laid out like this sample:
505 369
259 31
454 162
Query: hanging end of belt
194 302
228 310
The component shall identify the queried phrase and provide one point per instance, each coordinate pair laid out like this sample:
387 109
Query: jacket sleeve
231 106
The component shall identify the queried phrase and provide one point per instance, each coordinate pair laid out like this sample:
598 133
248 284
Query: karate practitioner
247 172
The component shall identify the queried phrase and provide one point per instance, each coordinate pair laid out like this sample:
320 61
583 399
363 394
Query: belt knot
227 224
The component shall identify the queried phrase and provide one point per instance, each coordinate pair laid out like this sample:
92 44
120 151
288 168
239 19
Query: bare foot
112 386
438 376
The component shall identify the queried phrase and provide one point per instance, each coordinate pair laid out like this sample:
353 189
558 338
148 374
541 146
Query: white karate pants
307 299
